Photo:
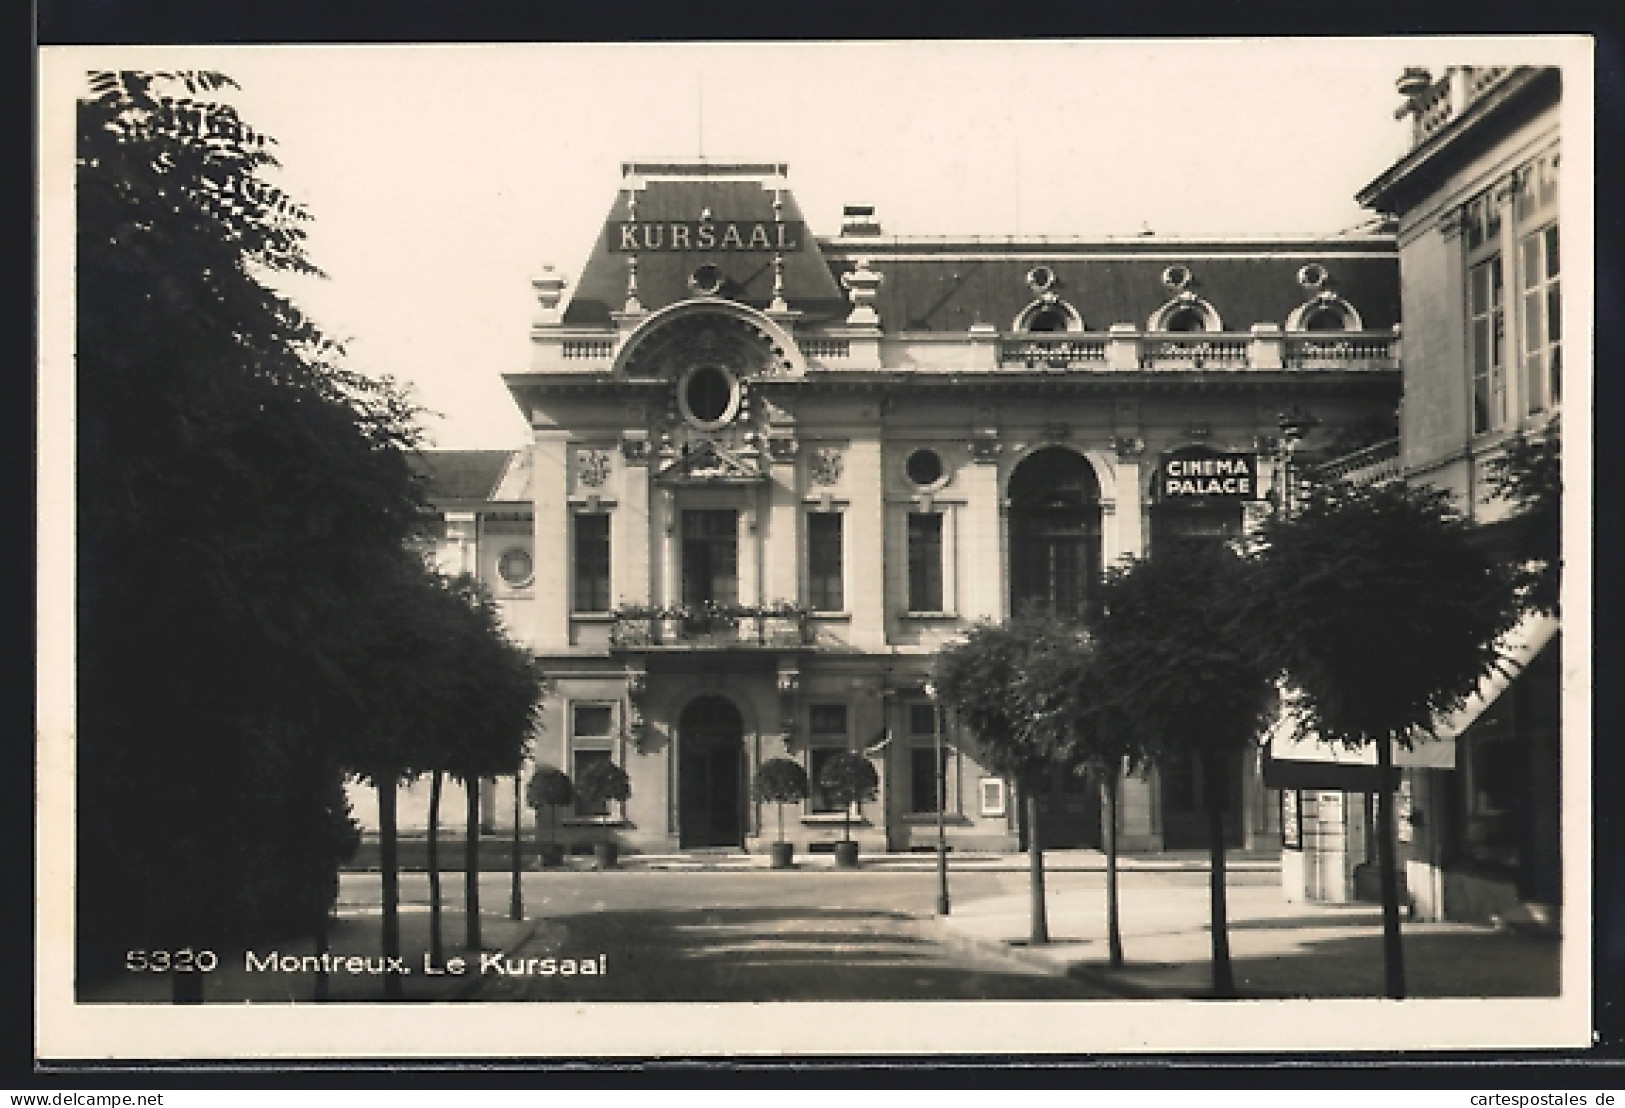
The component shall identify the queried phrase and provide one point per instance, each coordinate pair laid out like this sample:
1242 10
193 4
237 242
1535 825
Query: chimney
858 220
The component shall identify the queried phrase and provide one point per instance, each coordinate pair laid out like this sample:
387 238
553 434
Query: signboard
1291 819
1207 474
706 236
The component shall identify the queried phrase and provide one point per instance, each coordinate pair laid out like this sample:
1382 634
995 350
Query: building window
592 562
711 557
826 731
709 398
924 468
592 742
515 567
825 590
1486 326
1542 320
924 766
925 562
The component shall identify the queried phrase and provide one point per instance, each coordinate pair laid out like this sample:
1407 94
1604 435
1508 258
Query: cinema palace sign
681 236
1207 474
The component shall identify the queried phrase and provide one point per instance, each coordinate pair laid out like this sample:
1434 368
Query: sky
443 178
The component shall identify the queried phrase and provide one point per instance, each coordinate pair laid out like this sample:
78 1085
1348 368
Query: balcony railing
1052 352
1186 351
1339 351
1369 465
732 629
1451 95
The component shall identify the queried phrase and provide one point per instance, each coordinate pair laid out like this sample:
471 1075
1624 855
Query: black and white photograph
839 548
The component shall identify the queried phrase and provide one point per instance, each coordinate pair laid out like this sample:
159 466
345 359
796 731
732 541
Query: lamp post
942 790
1295 424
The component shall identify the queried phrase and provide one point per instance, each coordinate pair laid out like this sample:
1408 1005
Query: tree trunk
388 864
1114 931
516 900
319 991
1216 782
436 947
471 860
780 807
1393 954
1035 869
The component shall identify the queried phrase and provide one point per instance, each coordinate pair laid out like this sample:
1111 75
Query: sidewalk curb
951 936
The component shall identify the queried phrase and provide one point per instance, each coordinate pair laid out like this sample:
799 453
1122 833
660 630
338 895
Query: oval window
924 467
515 566
708 396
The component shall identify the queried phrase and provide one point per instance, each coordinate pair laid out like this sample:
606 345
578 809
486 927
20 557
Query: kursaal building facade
773 473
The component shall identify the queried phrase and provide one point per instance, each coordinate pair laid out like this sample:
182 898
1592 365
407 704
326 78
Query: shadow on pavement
769 954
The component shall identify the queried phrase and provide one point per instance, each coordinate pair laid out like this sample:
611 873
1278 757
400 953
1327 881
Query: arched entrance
1054 565
1054 533
710 774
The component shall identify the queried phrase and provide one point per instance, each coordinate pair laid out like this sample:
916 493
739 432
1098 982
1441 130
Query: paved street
761 936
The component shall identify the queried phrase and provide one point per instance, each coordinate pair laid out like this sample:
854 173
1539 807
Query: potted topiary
781 781
550 788
599 782
848 778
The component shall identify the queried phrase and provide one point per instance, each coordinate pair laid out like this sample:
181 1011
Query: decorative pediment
708 462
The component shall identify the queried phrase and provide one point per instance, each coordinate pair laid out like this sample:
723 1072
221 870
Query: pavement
1278 949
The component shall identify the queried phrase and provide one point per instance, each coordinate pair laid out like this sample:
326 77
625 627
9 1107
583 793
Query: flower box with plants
600 783
550 788
781 781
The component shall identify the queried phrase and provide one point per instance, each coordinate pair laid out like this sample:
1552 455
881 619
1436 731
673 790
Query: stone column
552 507
866 539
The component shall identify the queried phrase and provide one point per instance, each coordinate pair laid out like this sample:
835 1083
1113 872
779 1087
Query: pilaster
552 507
867 541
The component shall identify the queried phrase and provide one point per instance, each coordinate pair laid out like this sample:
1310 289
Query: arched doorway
1054 565
1054 533
710 774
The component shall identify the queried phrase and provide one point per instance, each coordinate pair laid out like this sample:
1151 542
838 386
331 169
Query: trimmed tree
1173 652
1529 474
1073 710
781 781
602 782
848 778
981 678
549 787
1384 613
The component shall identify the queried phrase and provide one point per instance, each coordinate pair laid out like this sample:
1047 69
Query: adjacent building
1476 203
772 472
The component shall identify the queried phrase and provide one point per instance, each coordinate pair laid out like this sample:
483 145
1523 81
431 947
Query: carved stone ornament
592 468
635 450
824 467
1127 446
985 448
782 448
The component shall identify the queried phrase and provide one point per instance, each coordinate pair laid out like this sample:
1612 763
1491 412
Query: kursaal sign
667 236
1209 474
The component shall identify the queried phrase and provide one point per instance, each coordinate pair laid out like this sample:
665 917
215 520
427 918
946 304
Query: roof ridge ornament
862 285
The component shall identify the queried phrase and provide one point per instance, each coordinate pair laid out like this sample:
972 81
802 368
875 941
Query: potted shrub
632 625
781 781
848 778
604 781
550 788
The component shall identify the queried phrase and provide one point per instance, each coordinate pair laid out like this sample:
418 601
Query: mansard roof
943 285
683 192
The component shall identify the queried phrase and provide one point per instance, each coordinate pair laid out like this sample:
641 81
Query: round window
924 467
515 566
708 395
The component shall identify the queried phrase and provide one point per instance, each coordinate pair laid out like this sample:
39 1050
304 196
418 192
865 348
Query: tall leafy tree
1384 612
1529 474
1187 683
981 678
237 489
1075 712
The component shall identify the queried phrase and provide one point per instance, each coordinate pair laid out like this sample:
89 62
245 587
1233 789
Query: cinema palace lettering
1208 474
669 236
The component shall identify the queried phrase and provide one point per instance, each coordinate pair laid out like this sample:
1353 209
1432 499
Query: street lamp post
942 791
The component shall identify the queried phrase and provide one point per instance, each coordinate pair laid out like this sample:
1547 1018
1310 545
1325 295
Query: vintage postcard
832 549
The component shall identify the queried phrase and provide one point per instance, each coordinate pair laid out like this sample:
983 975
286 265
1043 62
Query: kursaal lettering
732 236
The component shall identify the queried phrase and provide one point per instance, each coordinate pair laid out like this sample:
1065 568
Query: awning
1295 758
